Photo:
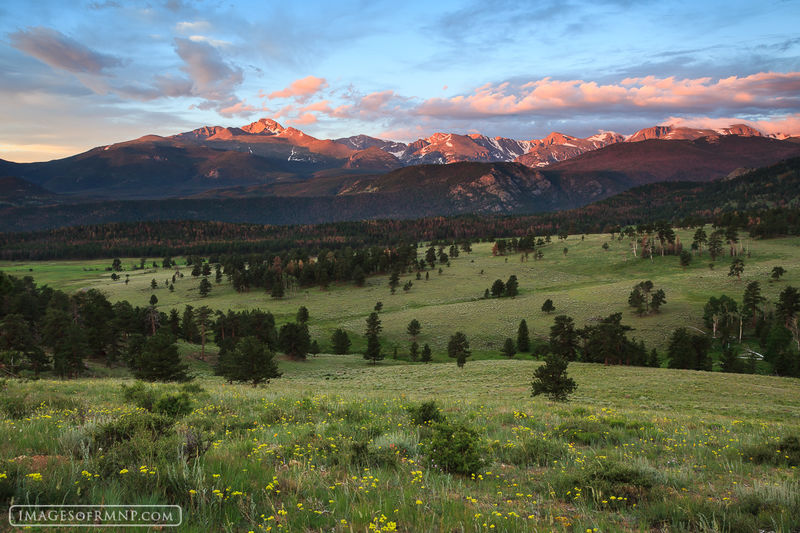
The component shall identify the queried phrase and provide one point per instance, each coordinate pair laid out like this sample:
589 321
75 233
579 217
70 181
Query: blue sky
83 74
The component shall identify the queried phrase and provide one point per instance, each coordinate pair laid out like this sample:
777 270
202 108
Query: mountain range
365 177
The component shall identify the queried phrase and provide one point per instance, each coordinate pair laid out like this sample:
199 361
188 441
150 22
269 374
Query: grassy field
331 446
587 283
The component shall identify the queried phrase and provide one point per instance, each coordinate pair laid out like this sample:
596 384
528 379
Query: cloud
240 109
212 78
303 120
768 91
59 51
787 124
192 27
301 90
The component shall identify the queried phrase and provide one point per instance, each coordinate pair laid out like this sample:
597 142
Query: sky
80 74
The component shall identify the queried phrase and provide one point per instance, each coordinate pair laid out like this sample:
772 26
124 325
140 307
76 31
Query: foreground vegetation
337 445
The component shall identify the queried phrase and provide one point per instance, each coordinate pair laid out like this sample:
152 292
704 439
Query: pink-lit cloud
786 125
301 90
303 120
766 90
239 109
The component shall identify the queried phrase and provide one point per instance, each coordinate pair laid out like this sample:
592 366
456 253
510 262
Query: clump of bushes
425 413
175 405
627 483
455 448
784 453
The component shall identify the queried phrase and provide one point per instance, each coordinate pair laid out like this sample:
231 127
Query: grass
333 446
587 283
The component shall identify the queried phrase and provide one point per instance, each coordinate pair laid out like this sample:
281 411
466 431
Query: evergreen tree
427 355
378 307
413 352
373 351
777 272
548 306
737 267
277 289
205 287
657 300
69 351
373 325
153 299
189 330
203 323
394 281
153 284
498 288
752 301
512 286
654 360
523 337
414 328
294 340
302 315
159 360
251 360
689 351
551 379
509 350
458 348
359 277
314 348
685 258
564 338
340 342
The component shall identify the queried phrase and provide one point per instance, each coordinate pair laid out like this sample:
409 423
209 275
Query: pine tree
340 342
564 338
373 325
548 307
373 351
551 379
498 288
203 323
509 350
205 287
159 360
512 287
302 315
458 348
523 337
251 361
426 356
414 328
413 352
294 340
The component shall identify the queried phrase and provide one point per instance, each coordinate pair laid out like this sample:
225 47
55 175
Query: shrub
125 427
175 405
425 413
455 448
786 452
628 483
140 395
365 455
534 451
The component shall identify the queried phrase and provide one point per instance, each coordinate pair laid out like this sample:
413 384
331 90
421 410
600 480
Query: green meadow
338 444
332 446
587 283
